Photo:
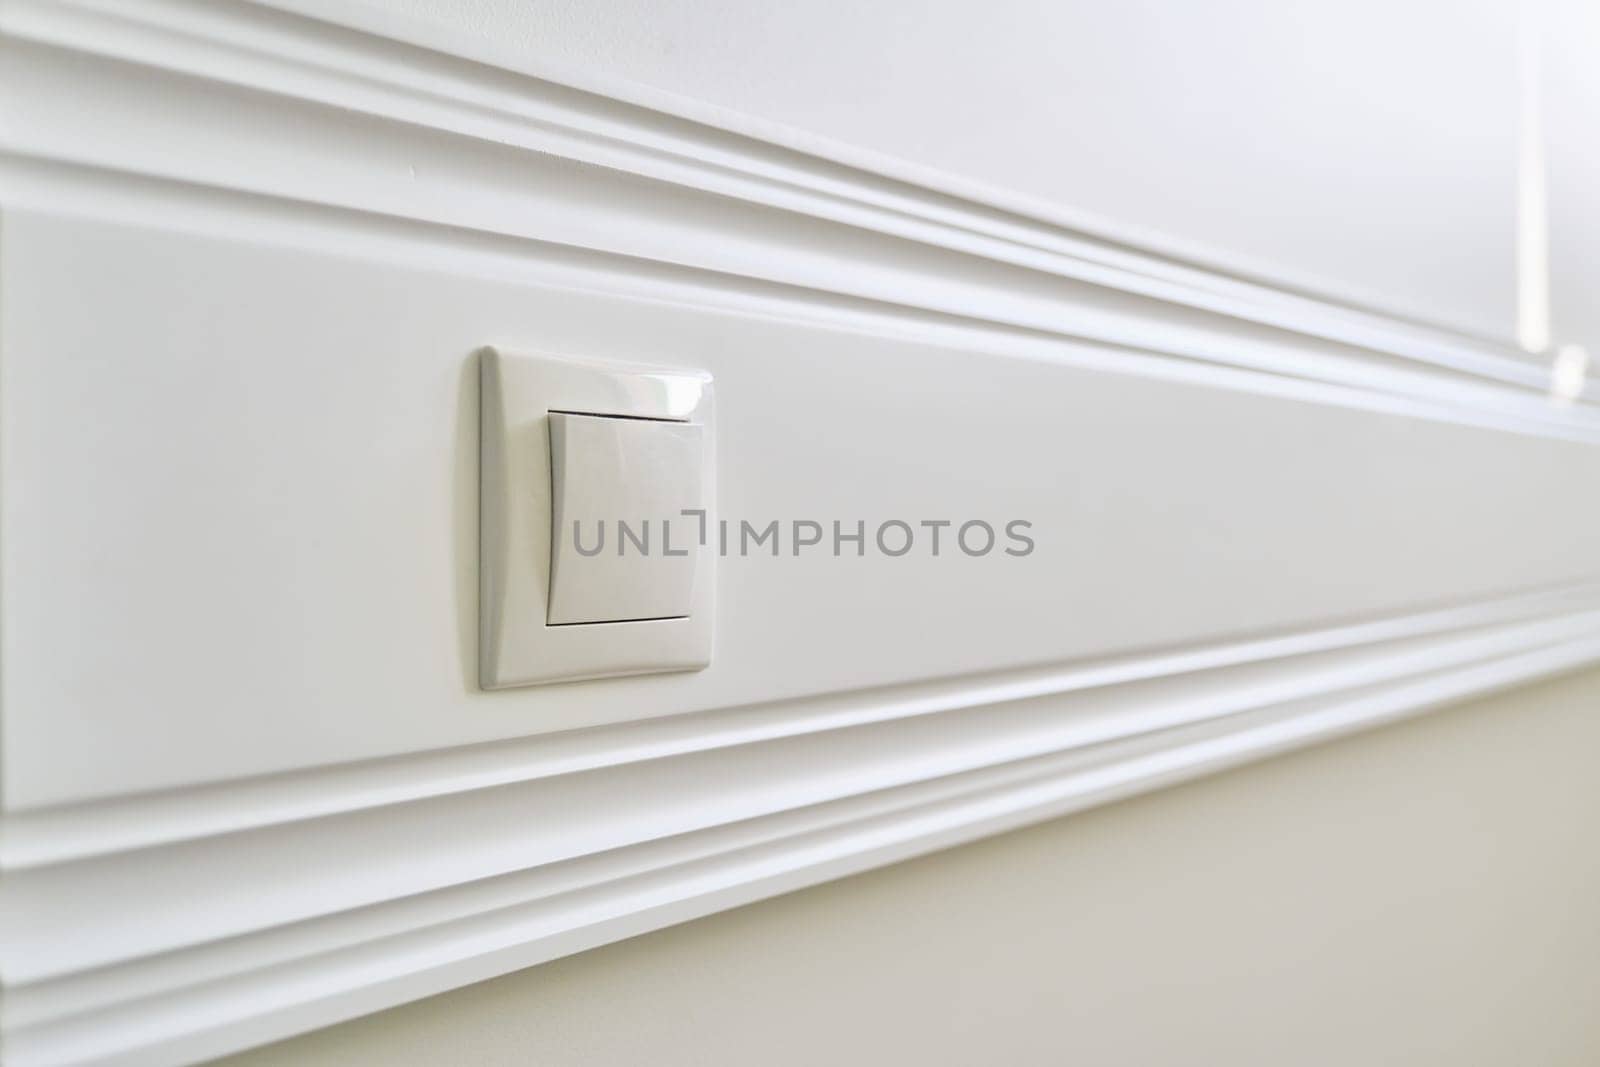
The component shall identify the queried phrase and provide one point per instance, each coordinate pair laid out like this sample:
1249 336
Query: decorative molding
173 925
252 910
72 833
736 219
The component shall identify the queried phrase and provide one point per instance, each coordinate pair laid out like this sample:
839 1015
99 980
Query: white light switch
621 547
614 453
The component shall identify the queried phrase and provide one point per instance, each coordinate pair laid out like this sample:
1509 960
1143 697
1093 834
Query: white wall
1572 111
1367 145
252 786
1420 895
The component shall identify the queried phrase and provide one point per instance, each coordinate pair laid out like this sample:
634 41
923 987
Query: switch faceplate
626 445
621 541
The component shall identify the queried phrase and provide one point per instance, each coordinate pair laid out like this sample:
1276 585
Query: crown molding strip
1154 349
339 76
630 128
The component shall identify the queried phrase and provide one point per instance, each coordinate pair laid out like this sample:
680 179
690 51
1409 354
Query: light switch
588 566
621 547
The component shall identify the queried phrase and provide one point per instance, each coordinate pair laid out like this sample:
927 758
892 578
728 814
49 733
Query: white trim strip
83 831
189 993
348 74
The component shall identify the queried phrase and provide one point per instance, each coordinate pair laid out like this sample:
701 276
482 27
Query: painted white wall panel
257 549
250 785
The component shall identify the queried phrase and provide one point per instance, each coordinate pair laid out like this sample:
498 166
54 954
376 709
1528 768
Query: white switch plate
517 643
625 495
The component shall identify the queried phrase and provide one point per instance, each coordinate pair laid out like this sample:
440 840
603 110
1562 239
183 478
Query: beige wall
1425 894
